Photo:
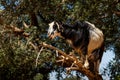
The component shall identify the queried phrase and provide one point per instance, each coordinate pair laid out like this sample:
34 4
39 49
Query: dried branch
35 47
71 60
117 12
25 25
38 56
79 67
16 30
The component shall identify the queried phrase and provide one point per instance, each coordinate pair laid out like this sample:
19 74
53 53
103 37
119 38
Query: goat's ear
59 22
60 28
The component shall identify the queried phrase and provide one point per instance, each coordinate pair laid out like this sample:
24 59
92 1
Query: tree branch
72 62
77 63
38 56
16 30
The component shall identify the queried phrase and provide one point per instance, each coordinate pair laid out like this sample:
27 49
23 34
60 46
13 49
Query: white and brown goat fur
86 39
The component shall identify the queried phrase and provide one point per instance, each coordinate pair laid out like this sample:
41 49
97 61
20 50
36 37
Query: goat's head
54 29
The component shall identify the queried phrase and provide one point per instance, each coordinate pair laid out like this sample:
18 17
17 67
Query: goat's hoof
86 65
68 70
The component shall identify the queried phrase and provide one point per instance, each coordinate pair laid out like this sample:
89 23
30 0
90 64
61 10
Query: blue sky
107 57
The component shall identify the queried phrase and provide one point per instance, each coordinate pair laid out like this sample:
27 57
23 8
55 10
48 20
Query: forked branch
77 64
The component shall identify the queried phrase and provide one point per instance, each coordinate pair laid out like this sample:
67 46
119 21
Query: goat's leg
97 64
86 63
85 57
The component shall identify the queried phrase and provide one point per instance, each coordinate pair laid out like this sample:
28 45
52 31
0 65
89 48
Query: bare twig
38 56
16 30
25 25
35 47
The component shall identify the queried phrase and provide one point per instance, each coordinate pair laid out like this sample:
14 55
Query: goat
86 39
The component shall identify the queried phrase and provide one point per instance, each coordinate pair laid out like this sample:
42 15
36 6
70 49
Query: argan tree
25 51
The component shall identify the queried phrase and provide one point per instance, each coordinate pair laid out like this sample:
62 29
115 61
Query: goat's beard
51 37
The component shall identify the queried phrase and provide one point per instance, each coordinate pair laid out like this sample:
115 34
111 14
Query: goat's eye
55 26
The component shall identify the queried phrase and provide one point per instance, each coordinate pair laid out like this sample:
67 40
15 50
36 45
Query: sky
107 57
